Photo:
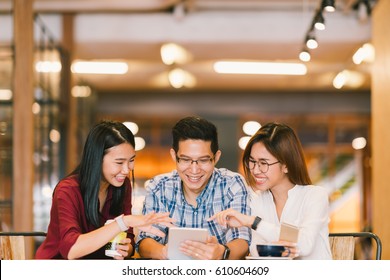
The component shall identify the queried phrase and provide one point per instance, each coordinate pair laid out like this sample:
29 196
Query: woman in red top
97 190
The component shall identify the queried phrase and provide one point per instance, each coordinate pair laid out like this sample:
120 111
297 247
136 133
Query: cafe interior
66 64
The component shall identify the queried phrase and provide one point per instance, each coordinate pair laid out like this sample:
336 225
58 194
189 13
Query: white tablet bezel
178 235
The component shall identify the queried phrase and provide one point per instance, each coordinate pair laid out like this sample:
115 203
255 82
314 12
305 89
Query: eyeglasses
262 164
187 162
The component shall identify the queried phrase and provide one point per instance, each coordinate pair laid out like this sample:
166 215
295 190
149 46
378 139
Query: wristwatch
226 253
121 223
256 222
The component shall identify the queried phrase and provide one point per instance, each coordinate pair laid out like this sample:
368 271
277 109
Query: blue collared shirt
225 189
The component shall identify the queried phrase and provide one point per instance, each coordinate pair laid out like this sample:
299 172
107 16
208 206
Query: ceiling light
304 55
366 53
243 141
328 5
176 78
172 53
348 78
319 21
340 80
251 127
99 67
179 10
362 12
363 8
139 143
179 78
266 68
311 42
132 126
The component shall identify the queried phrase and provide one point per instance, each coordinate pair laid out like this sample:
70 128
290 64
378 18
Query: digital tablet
178 235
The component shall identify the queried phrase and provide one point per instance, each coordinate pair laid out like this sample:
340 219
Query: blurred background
240 64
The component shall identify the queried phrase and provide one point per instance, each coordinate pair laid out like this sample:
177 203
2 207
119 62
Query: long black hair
102 137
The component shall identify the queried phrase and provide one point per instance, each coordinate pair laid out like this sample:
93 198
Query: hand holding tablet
178 235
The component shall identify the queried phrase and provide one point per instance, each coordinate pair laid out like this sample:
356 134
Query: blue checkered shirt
226 189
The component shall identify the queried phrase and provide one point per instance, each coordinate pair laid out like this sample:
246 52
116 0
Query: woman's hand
146 222
123 248
232 218
292 249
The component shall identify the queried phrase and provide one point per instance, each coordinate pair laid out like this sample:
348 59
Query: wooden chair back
12 248
342 247
13 245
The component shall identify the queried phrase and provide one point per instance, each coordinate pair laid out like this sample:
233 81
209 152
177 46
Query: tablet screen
178 235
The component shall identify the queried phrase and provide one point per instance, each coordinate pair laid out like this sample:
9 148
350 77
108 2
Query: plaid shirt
225 189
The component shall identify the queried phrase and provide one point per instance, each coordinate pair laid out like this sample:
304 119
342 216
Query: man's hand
211 250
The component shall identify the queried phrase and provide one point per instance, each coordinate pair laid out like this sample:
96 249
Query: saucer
267 258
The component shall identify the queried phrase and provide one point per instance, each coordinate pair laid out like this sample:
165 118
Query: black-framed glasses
262 164
187 162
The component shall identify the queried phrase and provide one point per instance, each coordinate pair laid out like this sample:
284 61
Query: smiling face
117 163
276 174
195 175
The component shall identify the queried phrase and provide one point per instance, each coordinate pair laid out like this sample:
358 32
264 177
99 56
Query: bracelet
121 223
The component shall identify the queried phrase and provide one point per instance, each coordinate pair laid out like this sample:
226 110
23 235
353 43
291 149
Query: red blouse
68 220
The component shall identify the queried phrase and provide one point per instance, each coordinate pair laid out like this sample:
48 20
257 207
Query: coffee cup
111 247
271 250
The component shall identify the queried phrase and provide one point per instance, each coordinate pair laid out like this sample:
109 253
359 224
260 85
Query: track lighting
311 41
367 5
366 53
328 5
363 9
319 21
304 55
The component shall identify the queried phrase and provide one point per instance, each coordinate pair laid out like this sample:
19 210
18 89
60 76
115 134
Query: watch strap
226 253
256 223
121 223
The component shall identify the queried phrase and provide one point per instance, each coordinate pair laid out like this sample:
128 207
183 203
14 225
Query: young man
194 192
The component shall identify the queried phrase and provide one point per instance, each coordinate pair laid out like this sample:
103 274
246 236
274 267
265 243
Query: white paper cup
111 247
